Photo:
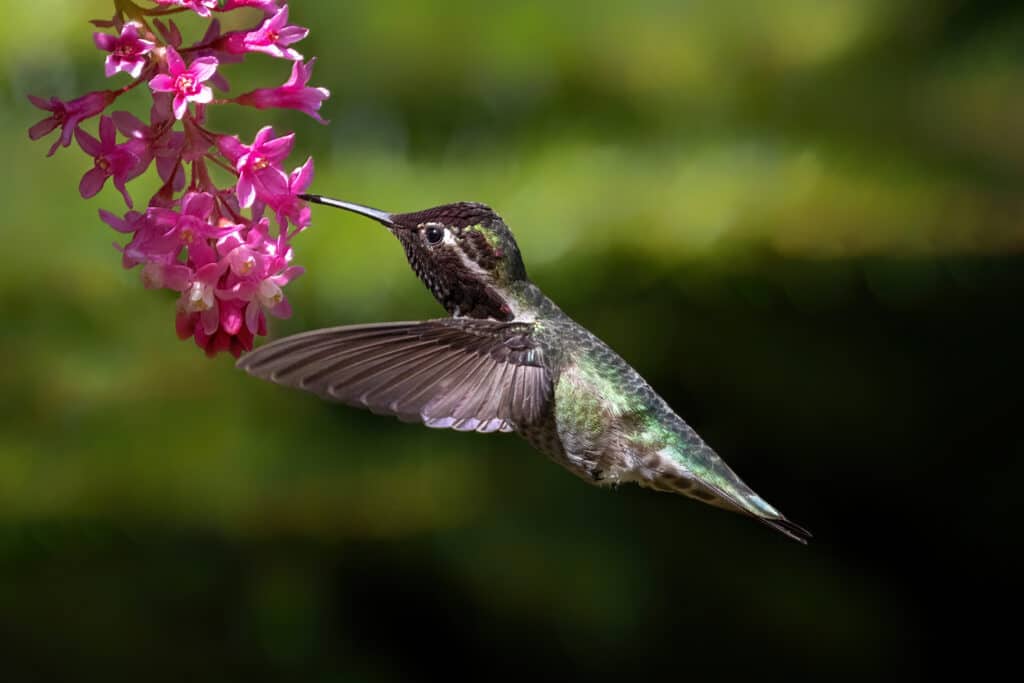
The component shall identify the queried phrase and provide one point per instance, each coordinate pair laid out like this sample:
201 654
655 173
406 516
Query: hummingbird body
508 359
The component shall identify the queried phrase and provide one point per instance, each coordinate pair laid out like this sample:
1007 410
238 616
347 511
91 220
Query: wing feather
469 375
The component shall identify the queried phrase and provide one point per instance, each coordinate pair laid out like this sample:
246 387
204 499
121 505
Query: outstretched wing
468 375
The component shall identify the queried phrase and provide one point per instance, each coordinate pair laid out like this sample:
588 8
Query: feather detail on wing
468 375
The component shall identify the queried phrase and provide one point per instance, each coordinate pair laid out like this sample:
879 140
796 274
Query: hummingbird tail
696 471
744 501
791 529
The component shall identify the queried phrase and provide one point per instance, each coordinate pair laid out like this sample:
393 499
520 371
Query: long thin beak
382 217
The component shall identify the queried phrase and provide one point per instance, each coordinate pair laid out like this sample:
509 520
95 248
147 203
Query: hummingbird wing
468 375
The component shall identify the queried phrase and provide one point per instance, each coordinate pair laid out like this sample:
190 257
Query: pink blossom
258 165
268 6
68 115
120 162
269 297
272 37
193 223
210 243
288 206
189 325
148 243
130 222
216 324
186 84
127 51
213 41
200 7
159 141
199 296
264 271
293 94
174 276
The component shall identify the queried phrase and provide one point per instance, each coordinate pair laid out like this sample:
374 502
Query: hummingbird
506 359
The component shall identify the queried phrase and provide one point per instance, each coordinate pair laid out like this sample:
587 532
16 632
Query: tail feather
791 529
746 502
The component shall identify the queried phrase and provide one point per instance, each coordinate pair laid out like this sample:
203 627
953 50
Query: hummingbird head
463 252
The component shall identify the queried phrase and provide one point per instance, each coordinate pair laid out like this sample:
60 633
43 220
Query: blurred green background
800 220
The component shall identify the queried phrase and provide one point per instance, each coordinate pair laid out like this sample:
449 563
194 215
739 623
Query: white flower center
200 297
269 294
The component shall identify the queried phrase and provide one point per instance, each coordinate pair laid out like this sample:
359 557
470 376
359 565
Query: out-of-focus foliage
800 220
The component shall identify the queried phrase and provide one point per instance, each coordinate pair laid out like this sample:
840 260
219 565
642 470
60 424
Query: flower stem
220 162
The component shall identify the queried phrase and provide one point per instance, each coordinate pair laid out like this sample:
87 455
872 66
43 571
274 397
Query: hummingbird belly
587 427
608 427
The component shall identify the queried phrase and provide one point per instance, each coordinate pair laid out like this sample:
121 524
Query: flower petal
108 133
184 324
246 191
198 204
42 128
282 310
301 177
104 41
162 83
210 319
279 148
204 95
252 316
204 68
92 182
180 106
176 277
231 318
88 143
261 136
129 125
231 147
49 105
119 184
175 64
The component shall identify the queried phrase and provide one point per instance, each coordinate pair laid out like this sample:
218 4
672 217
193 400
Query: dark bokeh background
800 220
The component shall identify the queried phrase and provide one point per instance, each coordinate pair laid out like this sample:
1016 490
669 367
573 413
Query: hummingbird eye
434 233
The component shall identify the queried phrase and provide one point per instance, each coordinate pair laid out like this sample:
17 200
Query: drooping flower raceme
203 233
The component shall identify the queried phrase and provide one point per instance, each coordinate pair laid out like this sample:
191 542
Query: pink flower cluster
210 240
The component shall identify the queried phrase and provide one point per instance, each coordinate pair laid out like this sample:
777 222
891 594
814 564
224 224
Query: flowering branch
209 242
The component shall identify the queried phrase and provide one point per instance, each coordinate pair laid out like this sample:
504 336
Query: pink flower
131 222
199 296
147 244
68 115
269 297
127 51
150 244
214 321
159 141
120 162
258 165
189 325
174 276
293 94
193 224
268 6
200 7
272 37
214 43
288 206
186 84
210 243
